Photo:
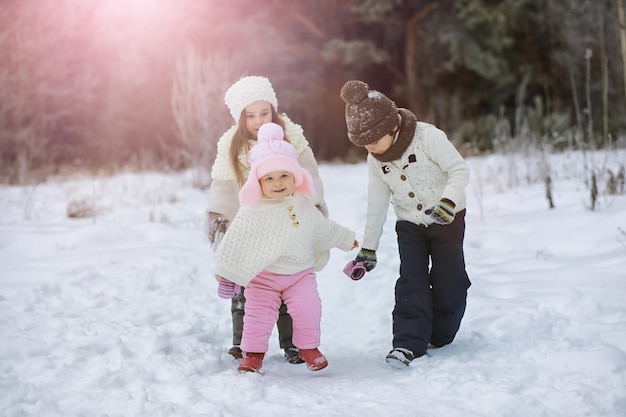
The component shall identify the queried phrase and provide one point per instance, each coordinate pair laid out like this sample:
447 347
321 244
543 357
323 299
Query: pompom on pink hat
273 153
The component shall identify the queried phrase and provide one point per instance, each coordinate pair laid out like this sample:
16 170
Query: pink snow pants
263 298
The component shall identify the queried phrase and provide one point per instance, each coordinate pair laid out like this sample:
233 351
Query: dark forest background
112 84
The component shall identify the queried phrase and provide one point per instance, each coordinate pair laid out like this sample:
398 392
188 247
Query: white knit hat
247 91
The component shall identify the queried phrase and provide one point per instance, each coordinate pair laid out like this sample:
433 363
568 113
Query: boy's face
277 184
382 145
256 115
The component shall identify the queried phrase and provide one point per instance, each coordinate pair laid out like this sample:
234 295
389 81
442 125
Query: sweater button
420 207
403 177
411 194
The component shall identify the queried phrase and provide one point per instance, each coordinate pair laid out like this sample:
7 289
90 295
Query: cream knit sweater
281 236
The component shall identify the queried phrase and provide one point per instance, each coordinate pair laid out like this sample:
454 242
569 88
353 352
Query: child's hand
227 289
355 244
442 212
215 226
368 257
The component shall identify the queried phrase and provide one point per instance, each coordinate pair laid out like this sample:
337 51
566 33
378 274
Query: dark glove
368 257
227 289
216 225
442 212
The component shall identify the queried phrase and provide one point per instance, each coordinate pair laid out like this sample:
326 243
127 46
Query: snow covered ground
117 314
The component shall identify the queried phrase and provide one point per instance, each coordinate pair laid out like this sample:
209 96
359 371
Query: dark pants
430 301
284 323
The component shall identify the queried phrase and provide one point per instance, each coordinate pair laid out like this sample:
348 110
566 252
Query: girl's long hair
241 145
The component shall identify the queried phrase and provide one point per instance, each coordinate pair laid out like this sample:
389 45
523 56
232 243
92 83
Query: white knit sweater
266 236
429 169
224 192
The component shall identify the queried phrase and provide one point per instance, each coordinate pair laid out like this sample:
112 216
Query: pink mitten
227 289
355 270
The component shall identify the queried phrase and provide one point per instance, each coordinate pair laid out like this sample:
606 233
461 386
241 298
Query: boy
414 165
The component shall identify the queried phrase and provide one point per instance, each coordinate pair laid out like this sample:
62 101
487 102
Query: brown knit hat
370 115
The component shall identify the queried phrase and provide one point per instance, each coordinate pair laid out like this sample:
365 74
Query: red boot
251 362
314 359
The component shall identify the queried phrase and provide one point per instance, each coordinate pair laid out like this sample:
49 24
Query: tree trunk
605 76
409 56
622 32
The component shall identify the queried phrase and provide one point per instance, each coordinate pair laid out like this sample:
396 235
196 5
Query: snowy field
117 314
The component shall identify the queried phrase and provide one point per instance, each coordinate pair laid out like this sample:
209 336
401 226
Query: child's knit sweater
429 169
281 236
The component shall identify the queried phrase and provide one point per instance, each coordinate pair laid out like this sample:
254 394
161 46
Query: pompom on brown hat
370 115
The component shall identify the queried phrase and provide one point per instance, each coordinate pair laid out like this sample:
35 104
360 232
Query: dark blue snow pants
431 292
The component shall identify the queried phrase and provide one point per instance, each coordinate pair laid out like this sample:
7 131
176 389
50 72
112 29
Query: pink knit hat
273 153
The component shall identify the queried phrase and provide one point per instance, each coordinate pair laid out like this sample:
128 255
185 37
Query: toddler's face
381 146
277 184
256 115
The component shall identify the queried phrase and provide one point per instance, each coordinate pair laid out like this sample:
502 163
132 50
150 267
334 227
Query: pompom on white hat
247 91
273 153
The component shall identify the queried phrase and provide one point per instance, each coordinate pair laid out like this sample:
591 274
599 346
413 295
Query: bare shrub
594 191
615 182
41 85
199 83
81 209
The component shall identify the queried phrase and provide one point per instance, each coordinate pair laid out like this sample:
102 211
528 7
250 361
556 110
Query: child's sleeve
444 154
333 235
378 195
308 162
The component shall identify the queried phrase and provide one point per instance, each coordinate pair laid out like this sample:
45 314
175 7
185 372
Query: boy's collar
404 137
